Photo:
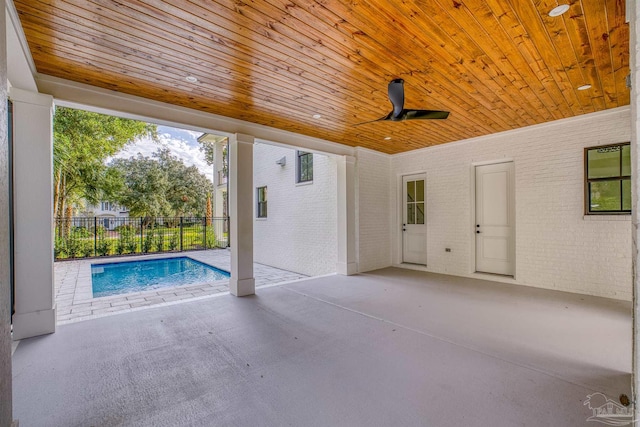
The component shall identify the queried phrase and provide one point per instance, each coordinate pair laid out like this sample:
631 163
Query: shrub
147 243
126 228
173 242
131 246
101 231
59 248
80 232
120 247
126 240
103 247
211 238
86 249
159 241
74 247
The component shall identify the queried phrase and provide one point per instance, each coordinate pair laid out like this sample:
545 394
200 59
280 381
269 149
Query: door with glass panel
414 227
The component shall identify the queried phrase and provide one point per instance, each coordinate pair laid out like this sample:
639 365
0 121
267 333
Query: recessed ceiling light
191 79
386 138
584 87
558 10
317 116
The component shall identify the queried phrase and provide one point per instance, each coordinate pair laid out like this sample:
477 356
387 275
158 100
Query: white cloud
182 143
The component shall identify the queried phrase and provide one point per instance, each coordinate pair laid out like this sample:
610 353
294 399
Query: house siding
557 246
300 232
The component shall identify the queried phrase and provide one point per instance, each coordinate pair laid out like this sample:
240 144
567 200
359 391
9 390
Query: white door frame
472 217
397 224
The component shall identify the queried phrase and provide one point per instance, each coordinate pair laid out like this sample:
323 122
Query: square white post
5 293
634 64
347 255
33 214
241 197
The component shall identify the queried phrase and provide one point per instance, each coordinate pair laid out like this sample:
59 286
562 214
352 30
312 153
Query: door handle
404 227
478 231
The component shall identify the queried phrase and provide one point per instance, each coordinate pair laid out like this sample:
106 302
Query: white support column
347 256
633 13
6 402
33 214
241 196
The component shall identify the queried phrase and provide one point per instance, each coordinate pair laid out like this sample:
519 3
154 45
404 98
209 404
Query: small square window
304 166
608 179
261 206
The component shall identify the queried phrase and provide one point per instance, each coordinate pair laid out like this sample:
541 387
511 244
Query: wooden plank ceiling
494 64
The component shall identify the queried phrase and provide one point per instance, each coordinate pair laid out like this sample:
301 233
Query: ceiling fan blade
424 114
387 117
396 96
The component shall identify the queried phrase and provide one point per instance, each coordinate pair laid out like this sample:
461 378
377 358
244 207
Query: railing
82 237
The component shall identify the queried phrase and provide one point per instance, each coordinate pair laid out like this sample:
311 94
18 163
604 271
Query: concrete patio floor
75 301
386 348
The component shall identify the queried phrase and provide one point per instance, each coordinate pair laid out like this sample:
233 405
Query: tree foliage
188 188
141 187
161 185
82 142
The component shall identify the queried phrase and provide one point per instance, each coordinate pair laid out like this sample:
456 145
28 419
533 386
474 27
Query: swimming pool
135 276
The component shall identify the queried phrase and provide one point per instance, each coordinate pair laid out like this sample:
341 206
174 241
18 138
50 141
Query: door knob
477 225
478 231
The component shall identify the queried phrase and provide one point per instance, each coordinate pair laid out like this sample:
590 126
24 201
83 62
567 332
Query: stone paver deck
74 295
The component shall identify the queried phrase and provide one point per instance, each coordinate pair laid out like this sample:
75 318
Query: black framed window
608 179
261 211
304 166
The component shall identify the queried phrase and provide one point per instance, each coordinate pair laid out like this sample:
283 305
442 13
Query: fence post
181 233
205 233
141 242
95 236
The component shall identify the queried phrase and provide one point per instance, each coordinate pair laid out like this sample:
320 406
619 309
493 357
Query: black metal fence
82 237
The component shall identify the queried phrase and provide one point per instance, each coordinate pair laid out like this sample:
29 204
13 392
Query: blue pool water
135 276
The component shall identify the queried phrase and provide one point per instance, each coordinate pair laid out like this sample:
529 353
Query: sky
182 143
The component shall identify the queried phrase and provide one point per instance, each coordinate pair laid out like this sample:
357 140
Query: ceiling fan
399 113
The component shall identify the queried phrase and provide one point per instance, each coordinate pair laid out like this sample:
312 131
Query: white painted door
414 228
495 219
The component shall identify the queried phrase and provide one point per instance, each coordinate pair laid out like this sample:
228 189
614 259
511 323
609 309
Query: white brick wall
300 231
557 247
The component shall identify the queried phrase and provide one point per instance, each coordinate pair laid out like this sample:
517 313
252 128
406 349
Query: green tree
188 188
82 142
161 185
143 186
